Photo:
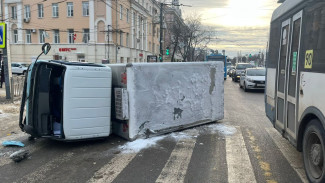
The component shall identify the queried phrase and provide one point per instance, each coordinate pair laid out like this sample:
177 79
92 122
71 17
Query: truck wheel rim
315 155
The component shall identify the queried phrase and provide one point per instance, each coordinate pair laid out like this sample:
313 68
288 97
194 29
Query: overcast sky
240 25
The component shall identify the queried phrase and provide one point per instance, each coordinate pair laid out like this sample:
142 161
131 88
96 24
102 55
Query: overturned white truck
74 101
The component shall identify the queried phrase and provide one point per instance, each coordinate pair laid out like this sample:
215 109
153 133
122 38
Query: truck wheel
313 151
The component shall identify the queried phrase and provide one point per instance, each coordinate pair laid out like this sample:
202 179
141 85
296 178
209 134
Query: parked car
240 68
253 78
229 70
19 68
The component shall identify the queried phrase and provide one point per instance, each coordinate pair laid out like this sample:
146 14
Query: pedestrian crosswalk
239 164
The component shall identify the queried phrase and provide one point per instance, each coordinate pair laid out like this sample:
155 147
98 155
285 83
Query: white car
19 68
252 78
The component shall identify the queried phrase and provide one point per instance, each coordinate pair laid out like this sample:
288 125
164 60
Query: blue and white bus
220 58
295 101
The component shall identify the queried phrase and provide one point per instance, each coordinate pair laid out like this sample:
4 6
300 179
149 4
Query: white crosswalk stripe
111 170
289 152
238 162
175 169
177 164
39 174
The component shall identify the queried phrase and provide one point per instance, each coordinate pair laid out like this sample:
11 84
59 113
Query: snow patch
140 144
221 128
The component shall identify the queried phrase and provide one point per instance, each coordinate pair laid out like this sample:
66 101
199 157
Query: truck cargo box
156 98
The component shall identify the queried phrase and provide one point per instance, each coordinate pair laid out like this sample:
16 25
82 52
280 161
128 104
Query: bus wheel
313 151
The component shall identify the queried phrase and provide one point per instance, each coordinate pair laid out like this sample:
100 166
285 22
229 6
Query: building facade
174 25
97 31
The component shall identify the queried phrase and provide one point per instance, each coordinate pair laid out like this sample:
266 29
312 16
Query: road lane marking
265 166
111 170
289 152
40 174
239 165
176 167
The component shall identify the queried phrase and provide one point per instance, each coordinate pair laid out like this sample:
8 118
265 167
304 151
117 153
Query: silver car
19 68
252 78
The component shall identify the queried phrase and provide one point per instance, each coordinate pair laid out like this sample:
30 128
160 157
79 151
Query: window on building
134 19
14 12
121 12
40 10
121 39
85 38
146 6
153 48
85 8
127 39
70 9
55 10
28 36
56 37
41 36
71 36
27 11
149 46
127 15
142 2
149 28
15 36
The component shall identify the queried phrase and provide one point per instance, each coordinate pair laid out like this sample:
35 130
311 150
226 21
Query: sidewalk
3 94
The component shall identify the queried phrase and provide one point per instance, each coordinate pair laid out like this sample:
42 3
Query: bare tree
193 36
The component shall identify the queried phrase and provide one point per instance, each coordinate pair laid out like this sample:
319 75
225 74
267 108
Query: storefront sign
67 49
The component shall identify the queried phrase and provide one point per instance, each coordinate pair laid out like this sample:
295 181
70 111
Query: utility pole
161 58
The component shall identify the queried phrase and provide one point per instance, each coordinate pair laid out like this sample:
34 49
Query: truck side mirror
46 48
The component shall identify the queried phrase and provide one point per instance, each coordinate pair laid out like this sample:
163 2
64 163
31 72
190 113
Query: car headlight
250 80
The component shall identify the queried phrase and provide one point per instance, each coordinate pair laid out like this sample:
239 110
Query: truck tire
314 151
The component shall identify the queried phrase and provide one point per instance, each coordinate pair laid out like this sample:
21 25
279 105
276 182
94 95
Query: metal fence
17 84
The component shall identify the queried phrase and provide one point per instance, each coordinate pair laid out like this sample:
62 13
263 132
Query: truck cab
67 101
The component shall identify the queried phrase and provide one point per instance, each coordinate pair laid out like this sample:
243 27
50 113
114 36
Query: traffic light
167 51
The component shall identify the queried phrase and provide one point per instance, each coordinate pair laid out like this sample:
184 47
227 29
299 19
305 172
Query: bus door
281 81
287 75
292 79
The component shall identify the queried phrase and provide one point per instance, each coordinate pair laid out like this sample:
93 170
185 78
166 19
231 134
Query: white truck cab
67 101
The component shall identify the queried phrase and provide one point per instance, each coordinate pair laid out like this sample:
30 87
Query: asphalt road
243 147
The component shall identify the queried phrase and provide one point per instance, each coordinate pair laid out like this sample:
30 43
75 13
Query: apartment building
97 31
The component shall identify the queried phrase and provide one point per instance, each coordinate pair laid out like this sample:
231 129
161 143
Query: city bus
220 58
295 82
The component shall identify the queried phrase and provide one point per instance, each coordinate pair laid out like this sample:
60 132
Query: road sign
2 35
